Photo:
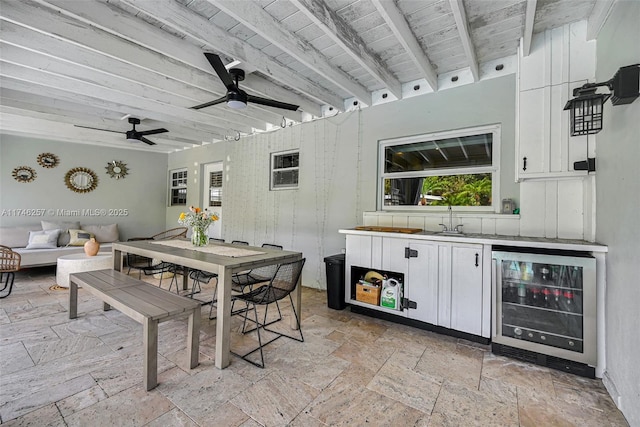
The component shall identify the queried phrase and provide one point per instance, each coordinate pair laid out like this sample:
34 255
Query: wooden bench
143 302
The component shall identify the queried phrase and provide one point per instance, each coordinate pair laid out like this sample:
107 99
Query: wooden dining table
221 258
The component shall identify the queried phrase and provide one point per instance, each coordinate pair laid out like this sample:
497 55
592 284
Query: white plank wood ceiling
94 63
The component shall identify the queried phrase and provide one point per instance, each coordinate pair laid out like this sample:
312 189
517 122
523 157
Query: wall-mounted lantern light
587 106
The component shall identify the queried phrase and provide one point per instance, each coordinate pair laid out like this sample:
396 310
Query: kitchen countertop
489 239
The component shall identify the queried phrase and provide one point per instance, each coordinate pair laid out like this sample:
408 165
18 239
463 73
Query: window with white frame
285 167
457 168
178 187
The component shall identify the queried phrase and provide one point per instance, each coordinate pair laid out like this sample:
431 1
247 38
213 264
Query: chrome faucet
451 229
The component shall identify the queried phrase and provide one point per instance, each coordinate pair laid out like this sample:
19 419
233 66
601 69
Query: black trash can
335 281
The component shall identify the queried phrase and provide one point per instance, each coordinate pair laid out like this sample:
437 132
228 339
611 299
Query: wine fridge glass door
545 303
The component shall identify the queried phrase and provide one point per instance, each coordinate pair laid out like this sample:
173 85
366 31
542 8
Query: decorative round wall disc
81 180
24 174
117 169
48 160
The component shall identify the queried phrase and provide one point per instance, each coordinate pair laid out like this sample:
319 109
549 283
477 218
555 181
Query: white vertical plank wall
300 219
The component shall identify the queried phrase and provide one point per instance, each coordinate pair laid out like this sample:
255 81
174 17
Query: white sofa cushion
42 257
18 236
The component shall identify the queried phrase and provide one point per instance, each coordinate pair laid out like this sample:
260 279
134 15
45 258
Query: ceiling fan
133 134
236 98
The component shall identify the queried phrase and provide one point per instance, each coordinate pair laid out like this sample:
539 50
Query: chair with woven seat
281 285
9 264
145 265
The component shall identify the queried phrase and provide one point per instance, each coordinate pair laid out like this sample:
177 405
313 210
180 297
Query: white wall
617 204
338 168
142 192
194 160
484 103
306 219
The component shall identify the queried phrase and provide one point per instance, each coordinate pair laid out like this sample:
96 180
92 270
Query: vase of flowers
199 221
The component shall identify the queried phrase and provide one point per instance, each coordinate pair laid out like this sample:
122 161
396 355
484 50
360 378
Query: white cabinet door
358 252
533 144
466 288
560 60
364 251
423 282
393 255
545 148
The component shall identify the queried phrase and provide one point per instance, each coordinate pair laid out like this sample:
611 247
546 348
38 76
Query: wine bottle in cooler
546 298
556 301
569 302
535 297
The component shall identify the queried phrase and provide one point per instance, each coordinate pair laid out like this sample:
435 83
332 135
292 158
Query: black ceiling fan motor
238 74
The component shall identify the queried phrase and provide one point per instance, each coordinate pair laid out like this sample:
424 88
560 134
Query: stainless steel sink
450 233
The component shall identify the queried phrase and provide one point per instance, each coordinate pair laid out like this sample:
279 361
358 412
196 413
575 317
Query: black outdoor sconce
587 106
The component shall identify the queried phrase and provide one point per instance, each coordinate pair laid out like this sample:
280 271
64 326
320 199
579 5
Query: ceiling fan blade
106 130
210 103
271 103
220 70
152 131
146 141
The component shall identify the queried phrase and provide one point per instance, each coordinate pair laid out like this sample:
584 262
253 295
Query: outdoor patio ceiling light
236 100
587 106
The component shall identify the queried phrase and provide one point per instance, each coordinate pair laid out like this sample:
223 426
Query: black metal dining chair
146 265
247 279
256 275
200 277
281 285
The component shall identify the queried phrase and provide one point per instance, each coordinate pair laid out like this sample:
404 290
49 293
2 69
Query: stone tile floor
351 370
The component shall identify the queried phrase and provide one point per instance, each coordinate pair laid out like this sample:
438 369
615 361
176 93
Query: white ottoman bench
77 263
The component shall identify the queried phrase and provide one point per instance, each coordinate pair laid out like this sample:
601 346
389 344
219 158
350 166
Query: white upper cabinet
560 60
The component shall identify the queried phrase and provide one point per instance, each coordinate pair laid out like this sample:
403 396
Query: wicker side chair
9 264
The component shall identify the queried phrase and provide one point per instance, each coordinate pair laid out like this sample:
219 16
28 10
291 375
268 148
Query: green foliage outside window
459 190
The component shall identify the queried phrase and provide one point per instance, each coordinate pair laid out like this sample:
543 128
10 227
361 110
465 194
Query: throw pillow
45 239
106 233
79 237
63 238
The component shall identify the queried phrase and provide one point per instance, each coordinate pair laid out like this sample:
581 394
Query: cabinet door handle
524 163
477 257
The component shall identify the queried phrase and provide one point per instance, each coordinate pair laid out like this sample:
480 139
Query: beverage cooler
544 308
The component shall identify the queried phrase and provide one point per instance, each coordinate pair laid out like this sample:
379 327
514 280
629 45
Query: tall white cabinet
560 60
556 201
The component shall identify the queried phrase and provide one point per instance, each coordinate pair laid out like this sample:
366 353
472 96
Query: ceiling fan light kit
235 97
237 100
